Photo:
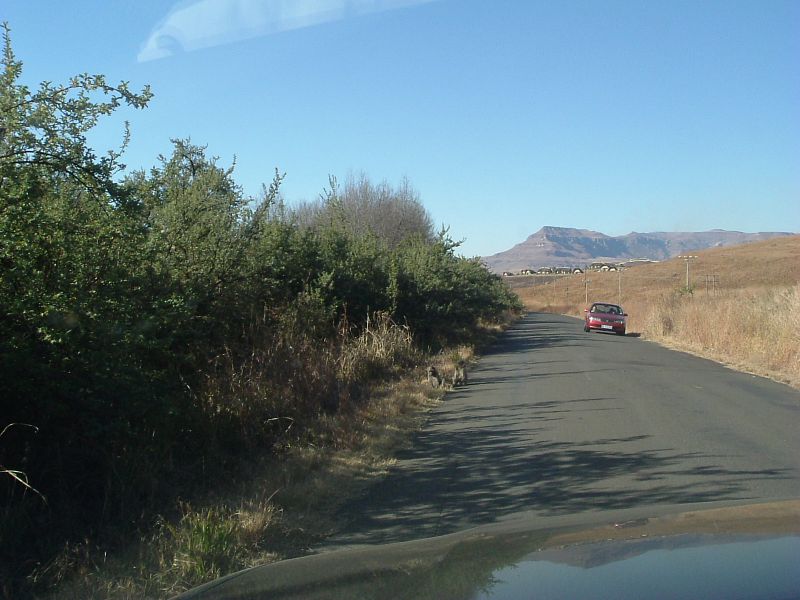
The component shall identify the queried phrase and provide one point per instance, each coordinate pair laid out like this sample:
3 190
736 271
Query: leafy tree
47 128
444 297
361 208
157 326
68 265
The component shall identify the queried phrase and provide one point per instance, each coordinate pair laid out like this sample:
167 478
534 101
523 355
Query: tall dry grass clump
317 419
281 385
382 348
754 329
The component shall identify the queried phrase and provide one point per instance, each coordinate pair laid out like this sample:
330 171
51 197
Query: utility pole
586 283
619 286
686 258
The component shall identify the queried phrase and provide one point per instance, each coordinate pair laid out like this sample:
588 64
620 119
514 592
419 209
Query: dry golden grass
280 507
742 310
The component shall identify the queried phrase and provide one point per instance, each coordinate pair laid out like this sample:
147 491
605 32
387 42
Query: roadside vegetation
194 380
741 306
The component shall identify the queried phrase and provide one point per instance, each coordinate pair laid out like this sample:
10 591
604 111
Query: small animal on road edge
433 377
460 374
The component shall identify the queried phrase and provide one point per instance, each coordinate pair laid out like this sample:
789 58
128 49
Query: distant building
602 266
526 272
507 274
637 261
545 271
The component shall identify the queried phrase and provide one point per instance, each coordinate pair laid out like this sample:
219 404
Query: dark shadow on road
480 461
479 475
484 380
548 332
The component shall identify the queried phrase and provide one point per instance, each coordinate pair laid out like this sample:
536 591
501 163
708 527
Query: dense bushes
155 326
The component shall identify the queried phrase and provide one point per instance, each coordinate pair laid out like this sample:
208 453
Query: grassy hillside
741 307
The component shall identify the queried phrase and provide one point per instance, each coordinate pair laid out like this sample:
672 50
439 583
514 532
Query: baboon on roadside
460 374
433 377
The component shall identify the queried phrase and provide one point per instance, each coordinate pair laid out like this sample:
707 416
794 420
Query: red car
605 317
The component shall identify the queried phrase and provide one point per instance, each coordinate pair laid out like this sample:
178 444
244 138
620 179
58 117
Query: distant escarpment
563 246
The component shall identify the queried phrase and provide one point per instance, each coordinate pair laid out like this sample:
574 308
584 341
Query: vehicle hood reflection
747 551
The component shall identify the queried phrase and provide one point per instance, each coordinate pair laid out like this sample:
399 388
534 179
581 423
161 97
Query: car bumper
616 327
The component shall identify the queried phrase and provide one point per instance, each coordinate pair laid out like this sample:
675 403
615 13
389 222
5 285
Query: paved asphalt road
556 421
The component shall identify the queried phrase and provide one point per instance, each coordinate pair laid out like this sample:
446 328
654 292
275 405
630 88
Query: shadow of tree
479 475
480 462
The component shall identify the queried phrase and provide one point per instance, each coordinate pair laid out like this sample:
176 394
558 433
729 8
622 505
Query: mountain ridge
571 247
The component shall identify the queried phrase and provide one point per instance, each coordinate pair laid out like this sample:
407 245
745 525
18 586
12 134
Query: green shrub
158 329
203 545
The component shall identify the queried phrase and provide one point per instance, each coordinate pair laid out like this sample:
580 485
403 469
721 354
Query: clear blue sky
506 115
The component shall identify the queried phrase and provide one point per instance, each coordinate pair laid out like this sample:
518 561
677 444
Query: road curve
555 421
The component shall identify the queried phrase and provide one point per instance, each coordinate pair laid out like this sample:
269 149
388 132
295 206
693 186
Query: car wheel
586 328
621 332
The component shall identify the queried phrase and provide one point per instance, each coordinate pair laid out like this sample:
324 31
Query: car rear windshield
607 308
